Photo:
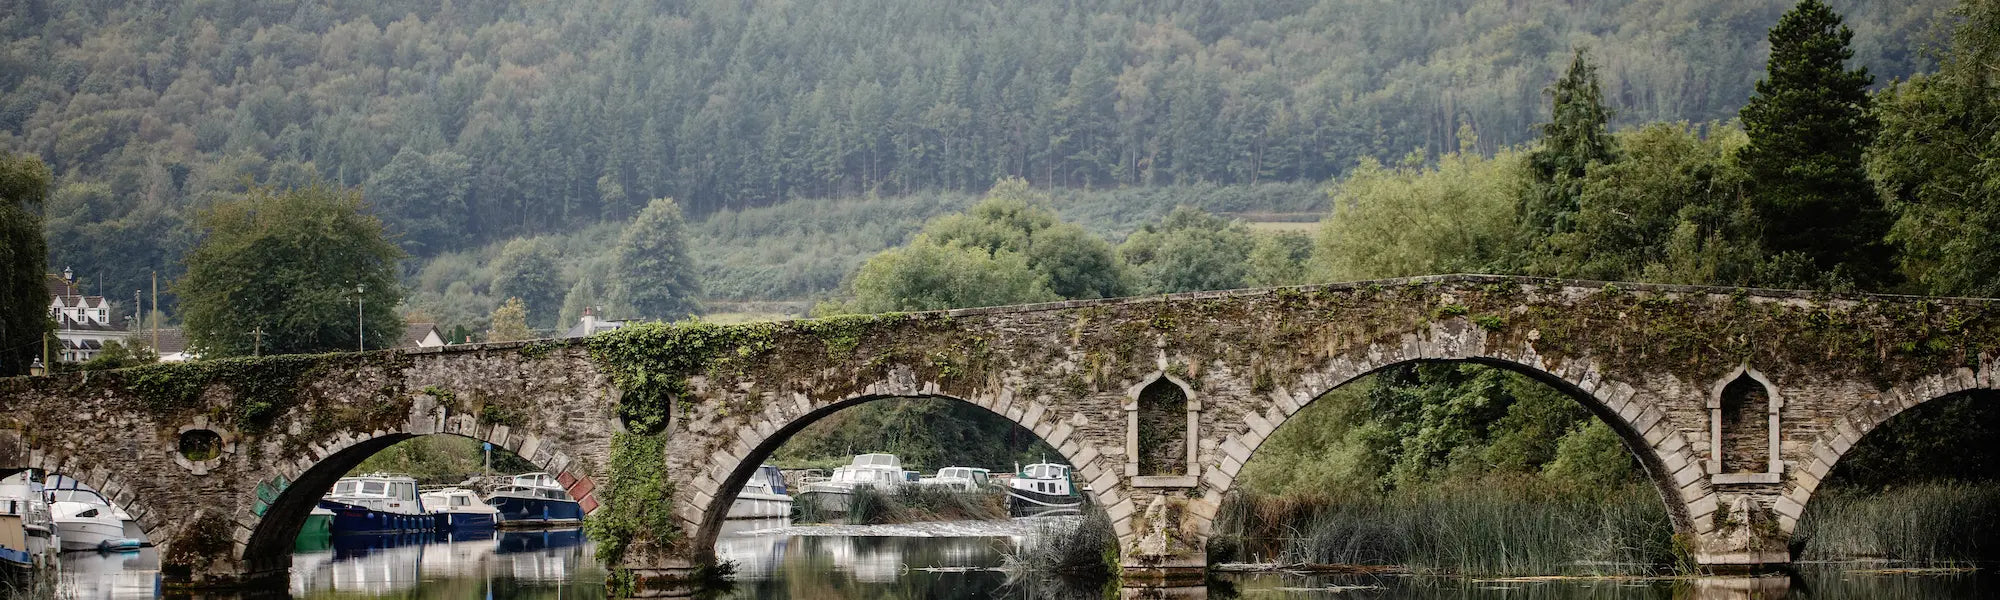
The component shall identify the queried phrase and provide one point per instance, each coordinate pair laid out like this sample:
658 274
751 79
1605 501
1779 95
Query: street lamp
360 330
37 369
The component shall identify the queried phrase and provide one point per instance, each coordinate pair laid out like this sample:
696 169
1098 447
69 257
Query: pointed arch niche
1161 415
1743 429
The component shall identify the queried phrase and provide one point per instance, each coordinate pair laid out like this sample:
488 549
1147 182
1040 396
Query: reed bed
869 505
1484 530
1942 522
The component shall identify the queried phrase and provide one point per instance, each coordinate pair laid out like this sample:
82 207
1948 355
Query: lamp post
360 329
37 369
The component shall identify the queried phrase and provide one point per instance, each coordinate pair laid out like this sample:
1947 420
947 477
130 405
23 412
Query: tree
527 269
423 198
930 276
1075 263
116 355
655 278
1409 220
1574 139
1671 210
1188 251
24 300
287 262
1937 162
582 296
1809 124
1279 259
510 322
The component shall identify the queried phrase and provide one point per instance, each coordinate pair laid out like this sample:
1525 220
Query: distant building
173 346
590 325
421 335
83 323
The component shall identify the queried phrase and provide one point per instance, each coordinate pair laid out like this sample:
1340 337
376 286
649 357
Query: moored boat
1043 489
376 503
763 496
86 521
534 500
28 537
877 470
962 479
460 510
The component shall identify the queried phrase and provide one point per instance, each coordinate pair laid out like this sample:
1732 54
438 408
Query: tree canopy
655 279
24 300
288 262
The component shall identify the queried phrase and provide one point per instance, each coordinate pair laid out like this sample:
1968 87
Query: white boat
876 470
1043 488
963 479
28 538
460 509
62 482
86 521
763 496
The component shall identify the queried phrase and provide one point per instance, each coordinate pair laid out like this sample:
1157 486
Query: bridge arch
727 472
287 492
1850 427
84 470
1647 431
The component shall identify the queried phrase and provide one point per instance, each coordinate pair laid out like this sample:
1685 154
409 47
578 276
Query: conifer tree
1573 139
655 277
24 302
1808 125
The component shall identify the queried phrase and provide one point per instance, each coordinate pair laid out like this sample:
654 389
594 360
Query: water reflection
774 562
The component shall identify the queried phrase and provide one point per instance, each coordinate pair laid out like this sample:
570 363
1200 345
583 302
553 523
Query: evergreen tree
1808 125
287 262
655 278
527 270
1574 138
24 303
510 322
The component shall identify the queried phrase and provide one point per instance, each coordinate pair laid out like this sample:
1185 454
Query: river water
946 561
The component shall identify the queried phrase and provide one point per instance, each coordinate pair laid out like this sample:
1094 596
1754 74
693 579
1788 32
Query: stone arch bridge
1736 401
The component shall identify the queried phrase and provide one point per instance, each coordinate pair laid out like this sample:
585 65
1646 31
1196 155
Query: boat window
343 488
461 501
87 513
373 488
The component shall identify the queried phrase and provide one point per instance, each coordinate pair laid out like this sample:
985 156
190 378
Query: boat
763 496
28 539
534 500
1043 489
131 525
962 479
877 470
86 521
376 503
460 509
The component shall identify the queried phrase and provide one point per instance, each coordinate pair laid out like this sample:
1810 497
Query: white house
83 323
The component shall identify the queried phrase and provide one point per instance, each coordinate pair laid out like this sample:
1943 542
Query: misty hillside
471 122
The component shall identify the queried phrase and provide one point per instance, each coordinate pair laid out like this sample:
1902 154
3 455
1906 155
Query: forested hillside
472 122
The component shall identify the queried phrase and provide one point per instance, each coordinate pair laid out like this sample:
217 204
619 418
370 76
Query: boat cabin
534 485
977 476
767 480
377 491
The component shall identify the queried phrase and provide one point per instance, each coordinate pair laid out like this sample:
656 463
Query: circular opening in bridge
200 444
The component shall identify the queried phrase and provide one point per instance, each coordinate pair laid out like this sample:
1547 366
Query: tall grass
869 505
1487 529
1927 523
1066 554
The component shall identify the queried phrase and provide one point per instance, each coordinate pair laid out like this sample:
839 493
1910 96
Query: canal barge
1044 489
534 500
376 503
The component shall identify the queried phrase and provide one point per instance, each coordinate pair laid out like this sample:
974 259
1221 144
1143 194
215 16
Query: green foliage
1808 125
423 198
1411 220
441 460
24 300
1670 210
527 270
264 386
287 262
931 276
1937 162
654 278
510 322
116 355
1923 523
1574 139
637 514
1279 259
1189 251
927 433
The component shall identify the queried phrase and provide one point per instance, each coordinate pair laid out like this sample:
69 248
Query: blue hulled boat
534 500
377 503
459 510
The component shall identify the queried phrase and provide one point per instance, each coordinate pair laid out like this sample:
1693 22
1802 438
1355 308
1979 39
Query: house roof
414 333
172 341
64 323
589 327
62 293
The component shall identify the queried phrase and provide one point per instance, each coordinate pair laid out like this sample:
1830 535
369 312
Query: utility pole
258 348
156 308
360 329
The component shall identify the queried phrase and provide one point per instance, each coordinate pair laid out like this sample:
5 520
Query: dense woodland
475 122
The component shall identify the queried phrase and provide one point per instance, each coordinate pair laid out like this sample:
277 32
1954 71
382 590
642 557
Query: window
1160 429
1744 412
461 501
343 488
373 488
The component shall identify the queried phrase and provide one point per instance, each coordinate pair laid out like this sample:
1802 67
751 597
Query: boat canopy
1045 471
878 460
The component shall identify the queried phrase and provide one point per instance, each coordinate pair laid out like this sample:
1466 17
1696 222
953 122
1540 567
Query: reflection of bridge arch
725 474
